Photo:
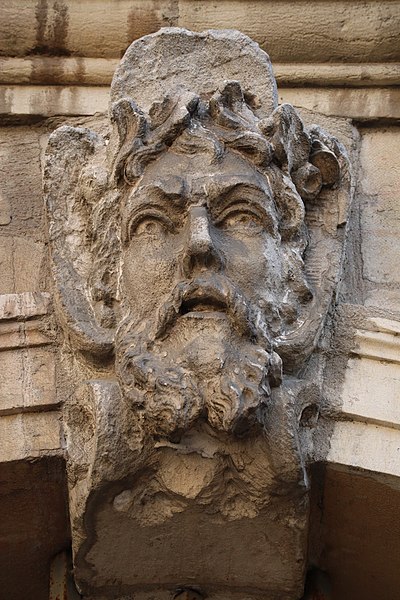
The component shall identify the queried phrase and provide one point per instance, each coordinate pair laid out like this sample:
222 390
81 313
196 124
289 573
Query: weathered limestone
359 103
68 70
364 412
38 386
178 243
358 422
52 100
342 31
54 49
27 379
379 217
357 428
30 436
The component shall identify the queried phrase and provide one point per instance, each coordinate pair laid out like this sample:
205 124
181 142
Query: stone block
380 207
27 379
5 210
26 305
361 104
29 435
347 31
380 167
383 298
53 100
20 177
20 263
380 245
333 30
371 391
7 284
365 446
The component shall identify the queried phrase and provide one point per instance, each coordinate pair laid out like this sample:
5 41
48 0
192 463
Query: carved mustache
211 293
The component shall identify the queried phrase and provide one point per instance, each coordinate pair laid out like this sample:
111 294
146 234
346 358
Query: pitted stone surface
195 249
176 56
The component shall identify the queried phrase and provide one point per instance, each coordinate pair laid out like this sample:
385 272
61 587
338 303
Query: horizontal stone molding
24 305
331 30
378 346
59 70
49 101
365 418
22 335
28 374
365 446
381 341
30 435
337 75
20 324
371 392
361 104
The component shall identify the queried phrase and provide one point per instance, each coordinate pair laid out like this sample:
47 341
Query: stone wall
338 62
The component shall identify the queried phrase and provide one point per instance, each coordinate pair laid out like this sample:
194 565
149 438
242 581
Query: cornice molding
20 320
363 104
364 412
58 70
380 340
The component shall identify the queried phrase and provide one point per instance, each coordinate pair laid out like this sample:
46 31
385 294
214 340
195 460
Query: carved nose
201 253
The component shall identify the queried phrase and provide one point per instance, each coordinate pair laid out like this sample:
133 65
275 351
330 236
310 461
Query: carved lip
201 302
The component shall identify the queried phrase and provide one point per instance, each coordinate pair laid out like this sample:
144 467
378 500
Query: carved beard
208 355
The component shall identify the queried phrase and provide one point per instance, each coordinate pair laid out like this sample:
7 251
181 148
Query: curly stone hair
278 146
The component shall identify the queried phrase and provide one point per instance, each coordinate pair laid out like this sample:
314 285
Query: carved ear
326 218
74 182
318 168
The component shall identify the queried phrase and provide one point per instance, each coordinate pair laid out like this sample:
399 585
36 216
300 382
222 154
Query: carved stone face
198 236
185 239
204 291
192 217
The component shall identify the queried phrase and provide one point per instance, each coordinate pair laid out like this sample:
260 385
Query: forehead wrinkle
170 191
221 184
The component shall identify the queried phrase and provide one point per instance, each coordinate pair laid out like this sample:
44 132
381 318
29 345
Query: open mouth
202 305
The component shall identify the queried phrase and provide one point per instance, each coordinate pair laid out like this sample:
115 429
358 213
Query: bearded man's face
203 277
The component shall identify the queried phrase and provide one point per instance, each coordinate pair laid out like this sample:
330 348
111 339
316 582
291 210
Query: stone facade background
338 59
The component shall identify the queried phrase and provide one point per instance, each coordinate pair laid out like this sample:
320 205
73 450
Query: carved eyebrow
220 183
256 196
222 195
159 193
233 185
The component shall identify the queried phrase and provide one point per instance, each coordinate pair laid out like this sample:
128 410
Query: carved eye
245 221
153 226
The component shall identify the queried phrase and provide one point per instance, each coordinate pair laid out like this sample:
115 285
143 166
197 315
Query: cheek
148 273
255 265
